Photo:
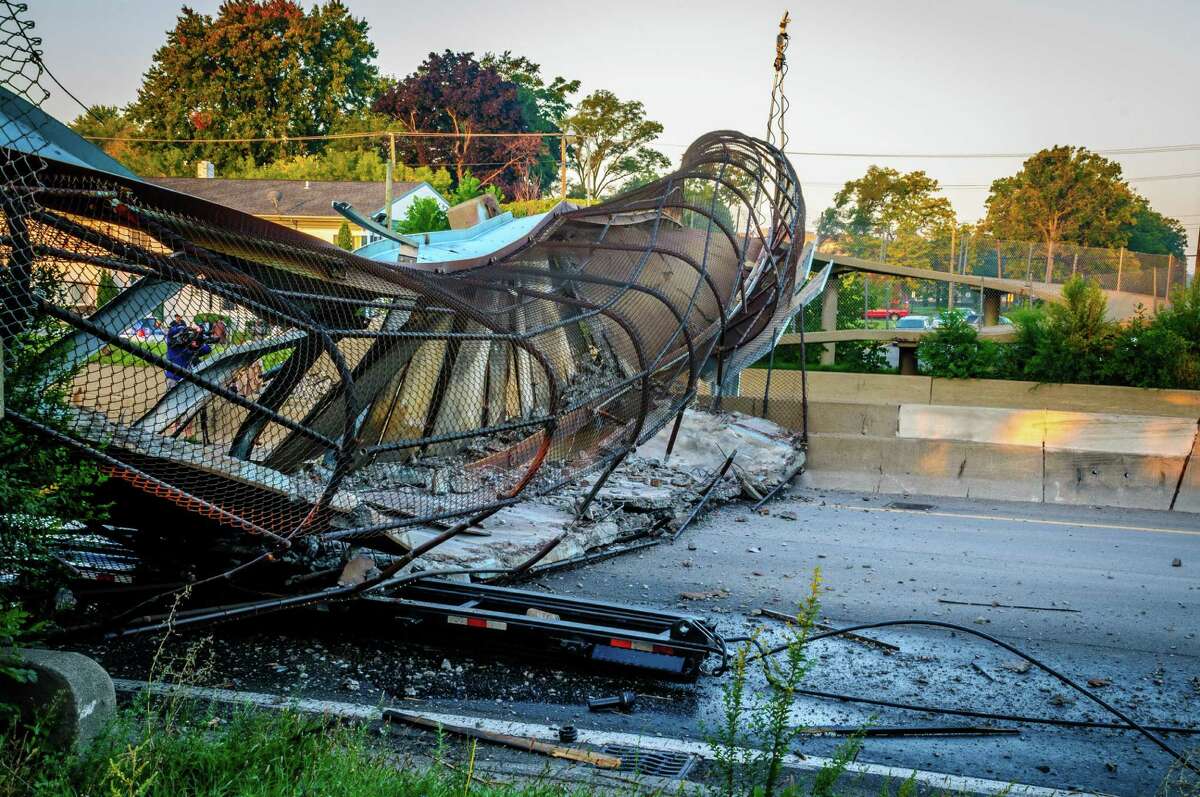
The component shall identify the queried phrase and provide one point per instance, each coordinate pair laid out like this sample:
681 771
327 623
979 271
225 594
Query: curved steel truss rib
352 396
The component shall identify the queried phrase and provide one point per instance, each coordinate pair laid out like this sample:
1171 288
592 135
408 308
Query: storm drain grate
658 763
910 506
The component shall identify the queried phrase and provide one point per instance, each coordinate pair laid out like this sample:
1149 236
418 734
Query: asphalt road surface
1105 602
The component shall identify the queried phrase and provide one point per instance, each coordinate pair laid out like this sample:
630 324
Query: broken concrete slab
643 493
766 451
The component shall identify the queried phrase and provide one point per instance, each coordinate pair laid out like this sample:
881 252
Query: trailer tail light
477 622
644 647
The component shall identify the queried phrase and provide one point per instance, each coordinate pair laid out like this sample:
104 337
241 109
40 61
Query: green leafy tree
423 215
345 239
1063 194
610 143
469 187
1153 233
886 214
544 106
259 68
109 122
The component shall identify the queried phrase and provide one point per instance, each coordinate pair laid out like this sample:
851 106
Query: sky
866 76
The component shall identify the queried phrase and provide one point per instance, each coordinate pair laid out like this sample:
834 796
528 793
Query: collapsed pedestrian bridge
360 395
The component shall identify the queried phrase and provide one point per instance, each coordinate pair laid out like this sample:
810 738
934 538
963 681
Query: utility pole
390 176
562 164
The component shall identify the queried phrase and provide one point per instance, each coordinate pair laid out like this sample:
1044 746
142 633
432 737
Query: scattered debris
624 702
904 730
357 570
982 671
887 647
1176 563
703 596
1020 666
519 742
996 605
1099 683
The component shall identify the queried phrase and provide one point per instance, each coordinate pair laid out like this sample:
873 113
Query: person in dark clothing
185 345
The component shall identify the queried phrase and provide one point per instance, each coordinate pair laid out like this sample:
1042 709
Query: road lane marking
1006 519
938 780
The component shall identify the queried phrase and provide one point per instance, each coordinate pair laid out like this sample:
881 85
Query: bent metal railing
350 398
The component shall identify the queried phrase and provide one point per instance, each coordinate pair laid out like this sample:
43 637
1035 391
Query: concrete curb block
73 685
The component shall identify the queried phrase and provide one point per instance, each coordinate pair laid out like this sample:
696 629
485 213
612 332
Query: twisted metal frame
563 351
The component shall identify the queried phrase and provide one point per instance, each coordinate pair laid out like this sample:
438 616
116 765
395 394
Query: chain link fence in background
983 255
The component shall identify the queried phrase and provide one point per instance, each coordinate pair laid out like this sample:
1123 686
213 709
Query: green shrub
106 289
345 239
955 350
425 214
862 356
469 187
532 207
1079 338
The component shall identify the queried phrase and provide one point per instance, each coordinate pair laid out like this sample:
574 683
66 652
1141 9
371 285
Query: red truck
890 313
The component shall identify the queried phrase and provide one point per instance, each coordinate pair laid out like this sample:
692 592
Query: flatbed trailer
598 632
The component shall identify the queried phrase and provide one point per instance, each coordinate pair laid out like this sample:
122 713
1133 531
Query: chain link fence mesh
234 374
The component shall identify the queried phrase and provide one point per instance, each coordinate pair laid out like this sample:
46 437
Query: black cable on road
1116 712
987 715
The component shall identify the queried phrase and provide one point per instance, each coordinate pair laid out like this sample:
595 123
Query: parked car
145 329
891 313
913 322
970 316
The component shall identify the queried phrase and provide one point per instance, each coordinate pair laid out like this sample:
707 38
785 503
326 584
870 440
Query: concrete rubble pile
648 493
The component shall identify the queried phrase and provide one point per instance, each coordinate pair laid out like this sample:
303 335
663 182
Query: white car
913 322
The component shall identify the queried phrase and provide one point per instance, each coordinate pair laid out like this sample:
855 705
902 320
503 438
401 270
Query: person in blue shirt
185 345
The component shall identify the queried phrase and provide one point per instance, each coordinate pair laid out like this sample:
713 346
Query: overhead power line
1149 150
325 137
1146 179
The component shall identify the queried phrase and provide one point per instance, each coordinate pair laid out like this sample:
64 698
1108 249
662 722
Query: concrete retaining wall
1073 444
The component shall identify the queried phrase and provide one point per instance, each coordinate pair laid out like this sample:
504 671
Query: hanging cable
776 127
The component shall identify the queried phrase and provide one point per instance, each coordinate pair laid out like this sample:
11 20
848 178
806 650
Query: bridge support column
991 307
829 308
908 360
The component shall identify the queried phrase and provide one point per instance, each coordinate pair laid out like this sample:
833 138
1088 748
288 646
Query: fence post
1154 288
999 262
1167 289
1029 265
1120 266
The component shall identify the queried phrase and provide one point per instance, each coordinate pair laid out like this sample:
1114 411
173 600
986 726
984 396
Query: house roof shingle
286 197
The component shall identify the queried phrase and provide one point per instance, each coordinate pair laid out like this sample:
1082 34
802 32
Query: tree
454 93
108 122
259 68
423 215
344 238
885 203
469 187
610 142
1062 194
106 288
900 218
1153 233
544 106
